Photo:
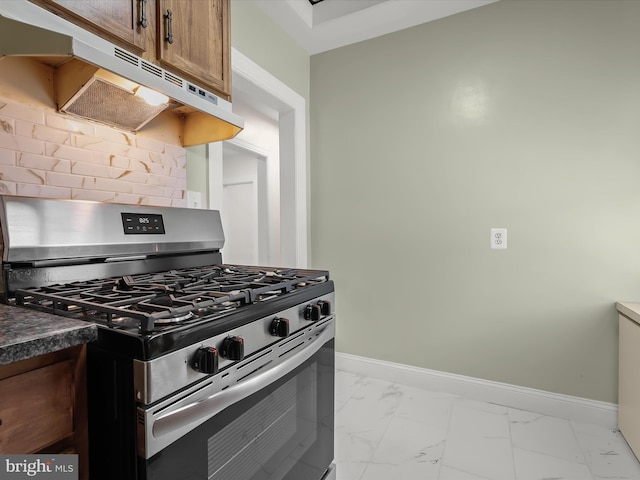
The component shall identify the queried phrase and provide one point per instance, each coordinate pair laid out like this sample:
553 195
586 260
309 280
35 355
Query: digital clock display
142 224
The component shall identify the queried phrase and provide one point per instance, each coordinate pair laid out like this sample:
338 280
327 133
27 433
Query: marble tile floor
386 431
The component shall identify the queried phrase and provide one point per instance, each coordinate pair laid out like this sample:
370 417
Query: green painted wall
523 115
258 37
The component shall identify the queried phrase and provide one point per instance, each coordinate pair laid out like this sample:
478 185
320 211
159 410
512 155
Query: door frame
258 181
252 182
291 107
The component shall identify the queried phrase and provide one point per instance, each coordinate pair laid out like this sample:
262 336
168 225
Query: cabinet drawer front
36 408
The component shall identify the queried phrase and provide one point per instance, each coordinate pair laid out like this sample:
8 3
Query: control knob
279 327
312 312
325 307
205 360
316 311
232 348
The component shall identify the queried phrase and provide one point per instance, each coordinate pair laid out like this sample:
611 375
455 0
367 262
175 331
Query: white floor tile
386 431
356 447
606 452
350 470
467 420
433 409
346 384
487 457
448 473
403 471
482 406
536 466
543 434
363 419
408 443
478 442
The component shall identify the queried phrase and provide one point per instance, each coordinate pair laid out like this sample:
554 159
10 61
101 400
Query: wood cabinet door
193 41
118 19
36 408
628 386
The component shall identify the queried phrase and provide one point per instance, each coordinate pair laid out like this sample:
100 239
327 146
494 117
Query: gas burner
213 310
173 320
148 303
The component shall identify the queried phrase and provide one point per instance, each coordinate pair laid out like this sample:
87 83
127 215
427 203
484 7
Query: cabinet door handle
169 17
143 13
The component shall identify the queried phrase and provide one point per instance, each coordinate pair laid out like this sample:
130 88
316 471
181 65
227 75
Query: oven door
275 423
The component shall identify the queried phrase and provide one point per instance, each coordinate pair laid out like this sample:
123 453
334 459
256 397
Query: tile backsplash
47 154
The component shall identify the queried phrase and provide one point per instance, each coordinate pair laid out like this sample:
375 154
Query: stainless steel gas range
202 370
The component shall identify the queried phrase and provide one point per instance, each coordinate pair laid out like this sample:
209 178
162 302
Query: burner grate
153 301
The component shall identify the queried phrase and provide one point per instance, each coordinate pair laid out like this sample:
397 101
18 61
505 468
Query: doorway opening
247 218
258 180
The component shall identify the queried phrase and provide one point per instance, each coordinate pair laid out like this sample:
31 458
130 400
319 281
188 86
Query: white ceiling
334 23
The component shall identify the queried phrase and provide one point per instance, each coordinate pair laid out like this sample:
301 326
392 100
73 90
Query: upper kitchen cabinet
193 40
187 38
122 21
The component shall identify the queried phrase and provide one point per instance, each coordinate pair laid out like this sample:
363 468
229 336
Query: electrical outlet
194 199
499 238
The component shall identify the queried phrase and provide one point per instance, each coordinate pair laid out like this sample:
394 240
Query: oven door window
282 432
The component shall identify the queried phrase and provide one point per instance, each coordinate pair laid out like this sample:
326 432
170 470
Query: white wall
262 131
250 163
520 114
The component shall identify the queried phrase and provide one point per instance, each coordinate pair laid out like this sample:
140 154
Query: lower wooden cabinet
43 407
628 385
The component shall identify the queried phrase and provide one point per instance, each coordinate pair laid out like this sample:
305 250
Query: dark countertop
26 333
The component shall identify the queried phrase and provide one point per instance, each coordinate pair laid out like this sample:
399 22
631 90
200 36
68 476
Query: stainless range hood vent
98 81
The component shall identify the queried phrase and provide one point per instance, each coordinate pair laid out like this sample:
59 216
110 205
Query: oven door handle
174 422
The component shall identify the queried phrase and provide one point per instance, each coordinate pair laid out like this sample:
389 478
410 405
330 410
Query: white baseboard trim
523 398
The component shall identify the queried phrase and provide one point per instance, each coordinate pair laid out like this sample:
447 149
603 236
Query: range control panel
142 223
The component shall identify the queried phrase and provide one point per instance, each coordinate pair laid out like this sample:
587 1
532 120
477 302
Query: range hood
99 81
